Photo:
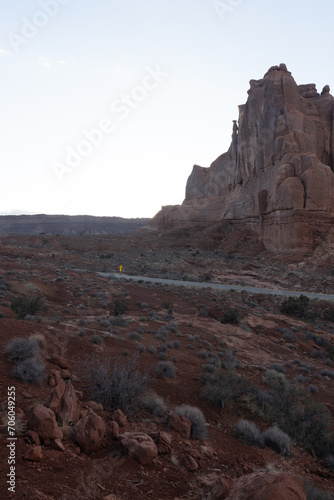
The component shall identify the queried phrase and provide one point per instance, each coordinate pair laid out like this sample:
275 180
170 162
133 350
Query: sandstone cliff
65 224
277 175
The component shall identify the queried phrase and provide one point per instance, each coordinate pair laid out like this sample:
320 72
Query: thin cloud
48 63
5 52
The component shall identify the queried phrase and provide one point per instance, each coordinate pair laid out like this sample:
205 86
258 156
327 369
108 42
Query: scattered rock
120 418
217 486
89 432
96 407
34 454
139 446
59 445
163 440
182 425
113 429
43 421
111 497
59 361
190 463
265 485
34 437
70 406
221 488
65 374
207 451
55 400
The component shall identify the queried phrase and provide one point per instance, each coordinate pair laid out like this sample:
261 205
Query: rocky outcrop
65 224
278 168
265 485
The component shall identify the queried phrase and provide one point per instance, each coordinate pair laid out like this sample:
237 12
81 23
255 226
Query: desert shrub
176 344
204 311
313 388
29 370
2 315
152 349
301 379
289 336
104 322
202 353
296 306
168 306
318 354
82 332
27 305
276 380
230 361
224 386
205 277
196 417
115 384
329 316
327 373
37 319
321 341
330 352
96 339
175 359
209 367
231 315
143 305
141 349
119 307
315 494
278 367
162 356
82 322
330 462
166 369
135 336
121 322
154 404
248 432
277 440
162 333
19 349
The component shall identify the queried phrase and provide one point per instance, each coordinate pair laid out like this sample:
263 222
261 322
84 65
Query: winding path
218 286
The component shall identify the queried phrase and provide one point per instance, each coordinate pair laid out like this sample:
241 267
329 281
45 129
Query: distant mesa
69 225
277 176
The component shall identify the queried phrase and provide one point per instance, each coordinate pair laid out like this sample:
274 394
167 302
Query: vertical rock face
279 165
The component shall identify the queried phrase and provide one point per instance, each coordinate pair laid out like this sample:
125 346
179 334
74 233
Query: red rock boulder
89 432
139 446
43 421
268 486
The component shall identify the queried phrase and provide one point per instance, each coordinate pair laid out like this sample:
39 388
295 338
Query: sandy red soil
64 271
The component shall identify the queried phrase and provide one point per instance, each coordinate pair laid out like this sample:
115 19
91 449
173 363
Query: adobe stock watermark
224 7
32 27
121 109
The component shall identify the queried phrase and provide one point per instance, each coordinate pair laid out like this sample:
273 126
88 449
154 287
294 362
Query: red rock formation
278 172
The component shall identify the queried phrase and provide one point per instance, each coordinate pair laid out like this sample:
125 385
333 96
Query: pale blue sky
64 78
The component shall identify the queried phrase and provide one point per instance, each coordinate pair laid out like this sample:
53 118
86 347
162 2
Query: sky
106 105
